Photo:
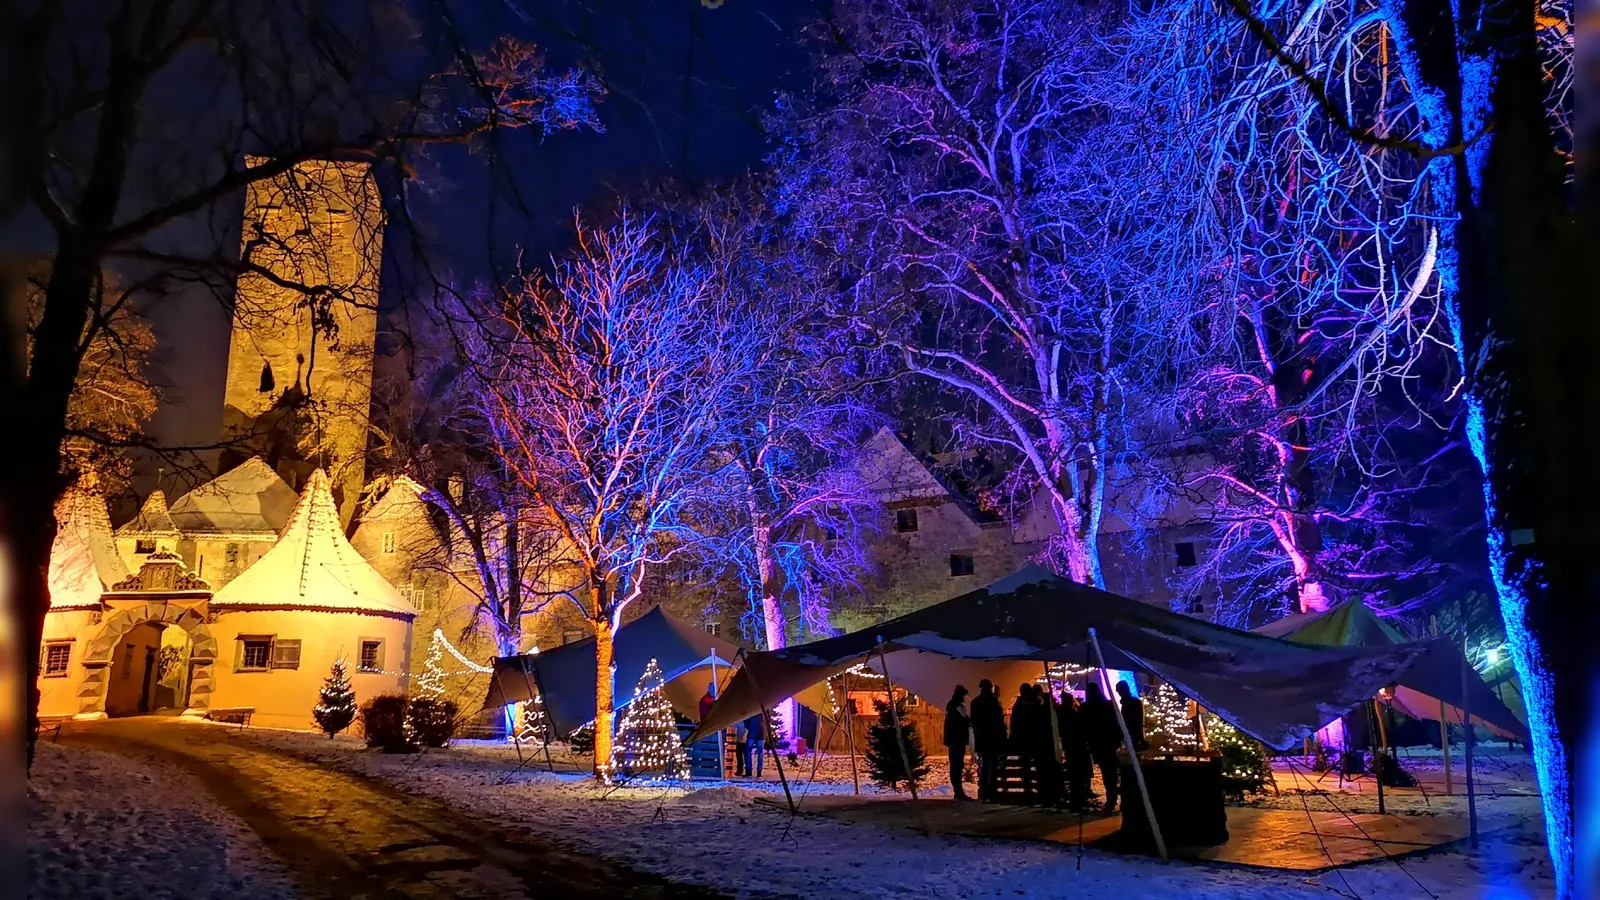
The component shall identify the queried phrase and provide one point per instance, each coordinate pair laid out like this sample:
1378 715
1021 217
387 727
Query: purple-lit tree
1313 362
952 181
608 383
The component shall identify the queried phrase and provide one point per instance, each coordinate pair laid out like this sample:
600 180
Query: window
570 636
905 520
1186 555
388 542
286 654
144 546
232 556
960 564
255 653
57 655
372 656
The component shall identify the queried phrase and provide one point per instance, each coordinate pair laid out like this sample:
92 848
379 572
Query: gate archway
102 647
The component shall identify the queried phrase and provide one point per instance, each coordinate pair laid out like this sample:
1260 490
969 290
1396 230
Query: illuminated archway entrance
162 595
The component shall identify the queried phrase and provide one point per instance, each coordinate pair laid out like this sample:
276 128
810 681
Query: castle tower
300 359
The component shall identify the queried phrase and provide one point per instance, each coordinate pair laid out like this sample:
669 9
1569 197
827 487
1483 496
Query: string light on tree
430 684
1245 769
648 740
1169 727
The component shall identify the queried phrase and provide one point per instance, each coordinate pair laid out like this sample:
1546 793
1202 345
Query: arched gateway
163 593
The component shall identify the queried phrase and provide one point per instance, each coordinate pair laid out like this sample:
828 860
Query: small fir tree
336 704
430 684
648 740
1245 767
885 765
581 741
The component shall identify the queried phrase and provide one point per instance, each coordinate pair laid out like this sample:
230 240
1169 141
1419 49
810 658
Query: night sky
687 87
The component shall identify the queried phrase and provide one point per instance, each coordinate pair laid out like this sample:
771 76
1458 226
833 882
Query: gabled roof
248 499
84 561
153 518
400 501
1350 624
313 566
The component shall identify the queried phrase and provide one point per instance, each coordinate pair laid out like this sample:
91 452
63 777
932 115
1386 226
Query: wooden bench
239 715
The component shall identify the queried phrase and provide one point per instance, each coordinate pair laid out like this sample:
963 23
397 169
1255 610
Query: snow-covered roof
248 499
313 566
400 501
153 518
84 561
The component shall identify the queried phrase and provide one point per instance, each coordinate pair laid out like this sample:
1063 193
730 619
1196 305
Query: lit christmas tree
647 739
1245 769
430 684
336 704
1167 723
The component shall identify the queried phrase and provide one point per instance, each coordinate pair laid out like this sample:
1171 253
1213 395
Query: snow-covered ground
716 835
102 825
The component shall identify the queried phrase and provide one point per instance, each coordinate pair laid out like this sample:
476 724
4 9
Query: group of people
1089 736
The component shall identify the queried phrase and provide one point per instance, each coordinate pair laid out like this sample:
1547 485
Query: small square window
905 520
960 564
142 546
286 654
255 654
372 656
388 542
1186 555
57 656
232 555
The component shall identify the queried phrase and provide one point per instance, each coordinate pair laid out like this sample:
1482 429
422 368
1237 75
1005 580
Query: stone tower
300 359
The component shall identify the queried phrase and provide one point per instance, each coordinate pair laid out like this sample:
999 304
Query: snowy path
343 835
718 835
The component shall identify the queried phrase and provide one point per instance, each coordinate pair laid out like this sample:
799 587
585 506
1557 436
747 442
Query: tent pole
548 762
1055 732
1379 757
1444 742
1466 724
764 714
1133 754
850 736
894 713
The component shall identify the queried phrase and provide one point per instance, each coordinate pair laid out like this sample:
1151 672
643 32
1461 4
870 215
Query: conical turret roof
153 518
313 566
83 560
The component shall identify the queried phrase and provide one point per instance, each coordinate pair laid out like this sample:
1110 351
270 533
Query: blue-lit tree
791 435
951 180
609 381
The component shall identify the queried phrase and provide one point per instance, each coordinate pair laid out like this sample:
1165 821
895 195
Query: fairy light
647 739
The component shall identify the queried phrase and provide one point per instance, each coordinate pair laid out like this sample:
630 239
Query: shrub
383 721
433 722
582 740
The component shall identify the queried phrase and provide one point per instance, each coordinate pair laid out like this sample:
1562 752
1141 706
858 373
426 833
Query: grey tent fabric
1277 691
564 676
1436 676
689 658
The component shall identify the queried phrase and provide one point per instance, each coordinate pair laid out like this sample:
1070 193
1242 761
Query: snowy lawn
102 825
715 834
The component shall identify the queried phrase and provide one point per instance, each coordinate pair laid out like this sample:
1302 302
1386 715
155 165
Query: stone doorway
124 665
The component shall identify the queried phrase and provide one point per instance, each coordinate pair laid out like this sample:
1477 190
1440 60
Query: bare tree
950 182
609 392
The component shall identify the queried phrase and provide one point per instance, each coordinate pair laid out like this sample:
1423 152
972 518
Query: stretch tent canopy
1436 678
1276 691
565 676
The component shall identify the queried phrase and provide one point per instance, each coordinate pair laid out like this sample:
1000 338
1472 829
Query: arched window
268 383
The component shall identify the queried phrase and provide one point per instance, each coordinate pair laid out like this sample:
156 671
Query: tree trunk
31 494
1524 335
603 681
